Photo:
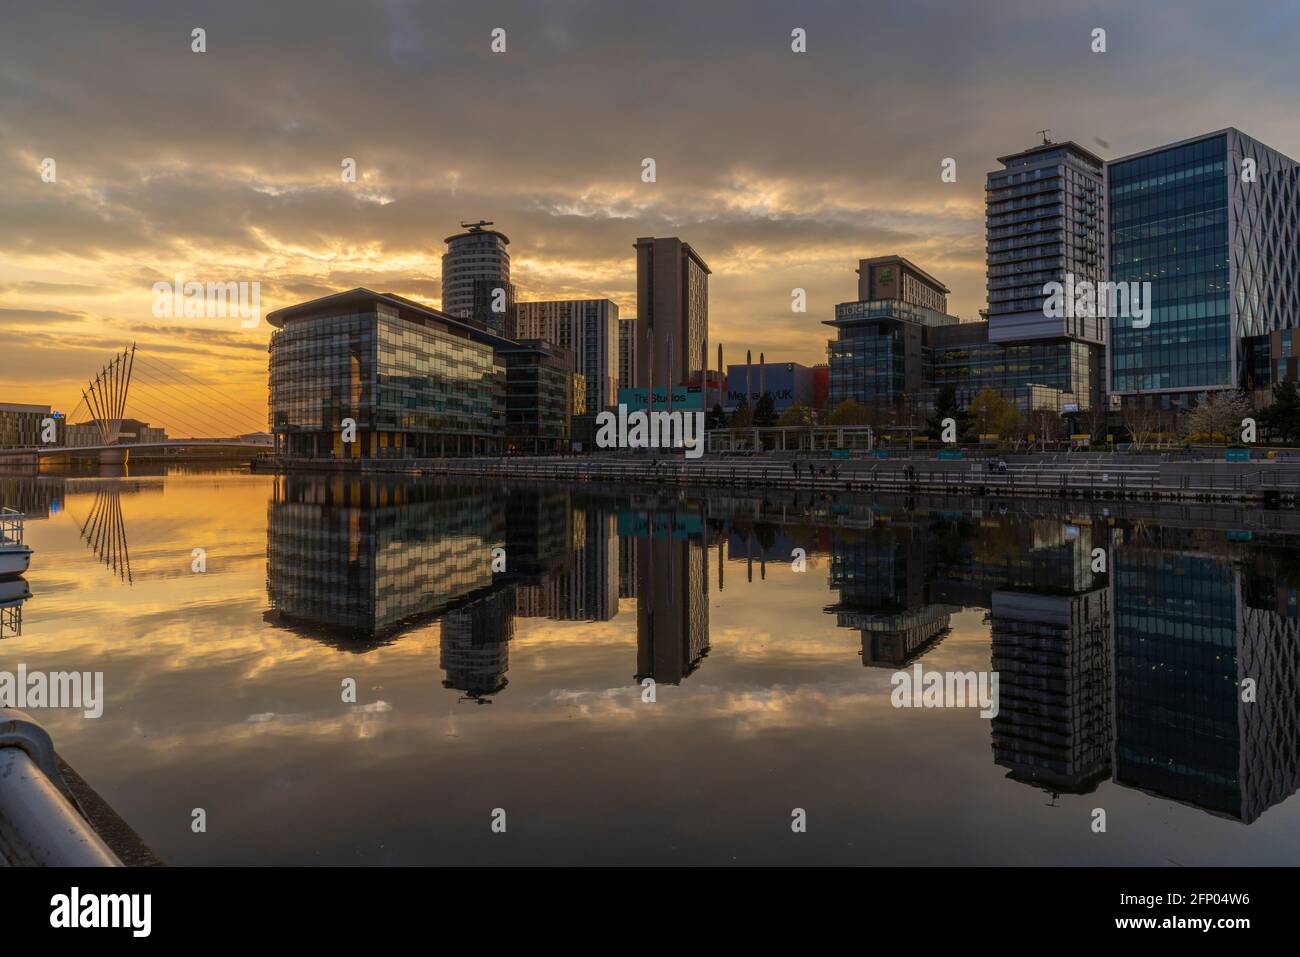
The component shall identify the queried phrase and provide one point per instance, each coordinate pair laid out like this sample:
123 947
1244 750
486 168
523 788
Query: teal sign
1239 535
949 454
685 398
881 454
839 453
659 525
1237 455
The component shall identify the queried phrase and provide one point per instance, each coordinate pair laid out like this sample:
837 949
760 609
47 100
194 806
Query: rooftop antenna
1047 140
477 227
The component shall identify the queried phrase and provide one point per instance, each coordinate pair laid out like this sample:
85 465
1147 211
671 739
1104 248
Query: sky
782 169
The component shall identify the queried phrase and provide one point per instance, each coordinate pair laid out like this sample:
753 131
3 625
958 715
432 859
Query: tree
1139 420
717 419
848 412
1282 418
1046 425
765 412
946 407
796 415
1095 421
741 416
994 415
1220 413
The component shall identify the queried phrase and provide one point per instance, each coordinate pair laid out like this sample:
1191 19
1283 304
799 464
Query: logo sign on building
685 398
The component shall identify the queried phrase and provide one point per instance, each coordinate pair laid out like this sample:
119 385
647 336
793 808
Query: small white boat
15 557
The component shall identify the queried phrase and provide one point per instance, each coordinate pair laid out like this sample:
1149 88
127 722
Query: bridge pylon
105 395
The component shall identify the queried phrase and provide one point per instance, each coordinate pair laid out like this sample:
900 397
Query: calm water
521 689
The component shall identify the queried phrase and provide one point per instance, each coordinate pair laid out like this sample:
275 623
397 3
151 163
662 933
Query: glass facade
412 387
881 353
868 364
1169 227
539 398
890 351
1064 365
21 425
1214 225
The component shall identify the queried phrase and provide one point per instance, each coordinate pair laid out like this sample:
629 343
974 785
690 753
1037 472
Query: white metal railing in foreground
39 826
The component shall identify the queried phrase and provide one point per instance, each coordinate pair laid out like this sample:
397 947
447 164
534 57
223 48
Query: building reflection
358 563
1131 668
882 581
37 497
1191 628
474 648
582 582
672 589
1052 656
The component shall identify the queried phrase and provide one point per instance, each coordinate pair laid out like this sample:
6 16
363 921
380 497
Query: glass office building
892 352
414 381
1213 223
1057 375
881 352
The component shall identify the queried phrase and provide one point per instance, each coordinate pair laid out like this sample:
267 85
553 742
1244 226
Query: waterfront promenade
1173 477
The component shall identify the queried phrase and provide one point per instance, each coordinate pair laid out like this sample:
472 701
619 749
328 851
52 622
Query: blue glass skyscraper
1213 223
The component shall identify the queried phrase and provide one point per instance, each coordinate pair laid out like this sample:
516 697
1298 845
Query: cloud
783 169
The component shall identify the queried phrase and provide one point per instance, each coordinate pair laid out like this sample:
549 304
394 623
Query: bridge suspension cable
163 394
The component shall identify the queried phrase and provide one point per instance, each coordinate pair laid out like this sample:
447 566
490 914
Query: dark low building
539 397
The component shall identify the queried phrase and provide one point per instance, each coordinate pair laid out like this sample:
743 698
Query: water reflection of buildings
672 589
584 586
881 577
37 497
1052 656
1190 628
474 648
358 563
366 559
1135 676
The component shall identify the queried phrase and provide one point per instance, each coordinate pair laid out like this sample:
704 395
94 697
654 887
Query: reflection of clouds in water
782 697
